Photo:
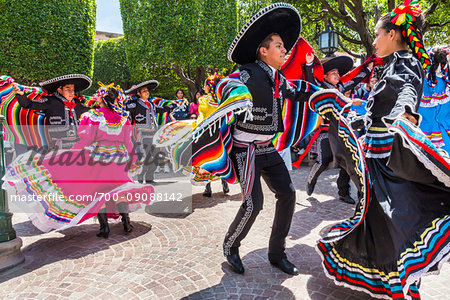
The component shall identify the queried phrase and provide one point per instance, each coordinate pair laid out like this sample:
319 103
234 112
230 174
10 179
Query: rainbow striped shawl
24 126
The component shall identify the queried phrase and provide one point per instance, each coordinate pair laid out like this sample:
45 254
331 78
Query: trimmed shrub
42 39
110 64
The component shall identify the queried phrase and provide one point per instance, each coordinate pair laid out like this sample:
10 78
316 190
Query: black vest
267 117
140 115
62 127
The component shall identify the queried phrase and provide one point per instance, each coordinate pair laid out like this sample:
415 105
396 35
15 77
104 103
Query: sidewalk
176 256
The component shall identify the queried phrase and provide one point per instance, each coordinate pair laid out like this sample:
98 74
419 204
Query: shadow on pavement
77 242
26 228
306 219
199 201
259 280
263 280
306 257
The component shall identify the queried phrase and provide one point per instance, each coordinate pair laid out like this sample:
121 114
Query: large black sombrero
280 18
150 84
80 81
342 63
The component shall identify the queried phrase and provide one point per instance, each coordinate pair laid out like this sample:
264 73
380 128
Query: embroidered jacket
267 110
142 117
63 124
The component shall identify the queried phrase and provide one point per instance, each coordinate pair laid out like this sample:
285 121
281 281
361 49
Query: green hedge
110 64
42 39
169 82
191 34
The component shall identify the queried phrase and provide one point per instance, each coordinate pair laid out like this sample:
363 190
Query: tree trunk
192 84
391 5
358 23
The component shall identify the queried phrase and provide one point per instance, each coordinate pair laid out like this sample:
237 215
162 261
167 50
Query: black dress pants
270 166
148 153
324 158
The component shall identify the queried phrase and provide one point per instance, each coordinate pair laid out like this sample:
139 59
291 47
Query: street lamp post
10 254
328 41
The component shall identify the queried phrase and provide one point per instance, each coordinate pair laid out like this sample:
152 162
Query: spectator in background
193 107
363 90
182 111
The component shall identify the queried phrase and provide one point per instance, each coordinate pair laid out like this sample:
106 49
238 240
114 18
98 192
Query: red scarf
148 105
71 105
277 83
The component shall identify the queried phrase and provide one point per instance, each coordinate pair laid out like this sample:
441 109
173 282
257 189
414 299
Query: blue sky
108 16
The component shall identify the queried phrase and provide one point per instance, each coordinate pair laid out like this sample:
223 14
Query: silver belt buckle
261 146
71 133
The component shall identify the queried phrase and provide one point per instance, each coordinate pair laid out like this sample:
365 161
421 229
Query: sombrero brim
342 63
150 84
80 81
280 18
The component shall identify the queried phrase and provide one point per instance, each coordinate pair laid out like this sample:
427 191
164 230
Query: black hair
195 96
111 96
265 43
414 28
386 24
178 91
439 57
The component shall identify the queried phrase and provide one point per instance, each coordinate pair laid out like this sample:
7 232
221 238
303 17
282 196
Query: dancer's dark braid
212 82
440 59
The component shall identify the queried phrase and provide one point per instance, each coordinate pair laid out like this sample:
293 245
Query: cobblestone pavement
177 256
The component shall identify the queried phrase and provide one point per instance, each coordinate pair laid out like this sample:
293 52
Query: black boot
140 178
225 187
123 210
310 188
207 192
103 220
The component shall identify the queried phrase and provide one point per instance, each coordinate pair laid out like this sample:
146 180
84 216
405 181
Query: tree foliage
355 21
42 39
110 64
190 37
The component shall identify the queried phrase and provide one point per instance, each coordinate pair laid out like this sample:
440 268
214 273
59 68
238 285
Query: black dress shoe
309 188
235 263
225 187
286 266
347 199
208 191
